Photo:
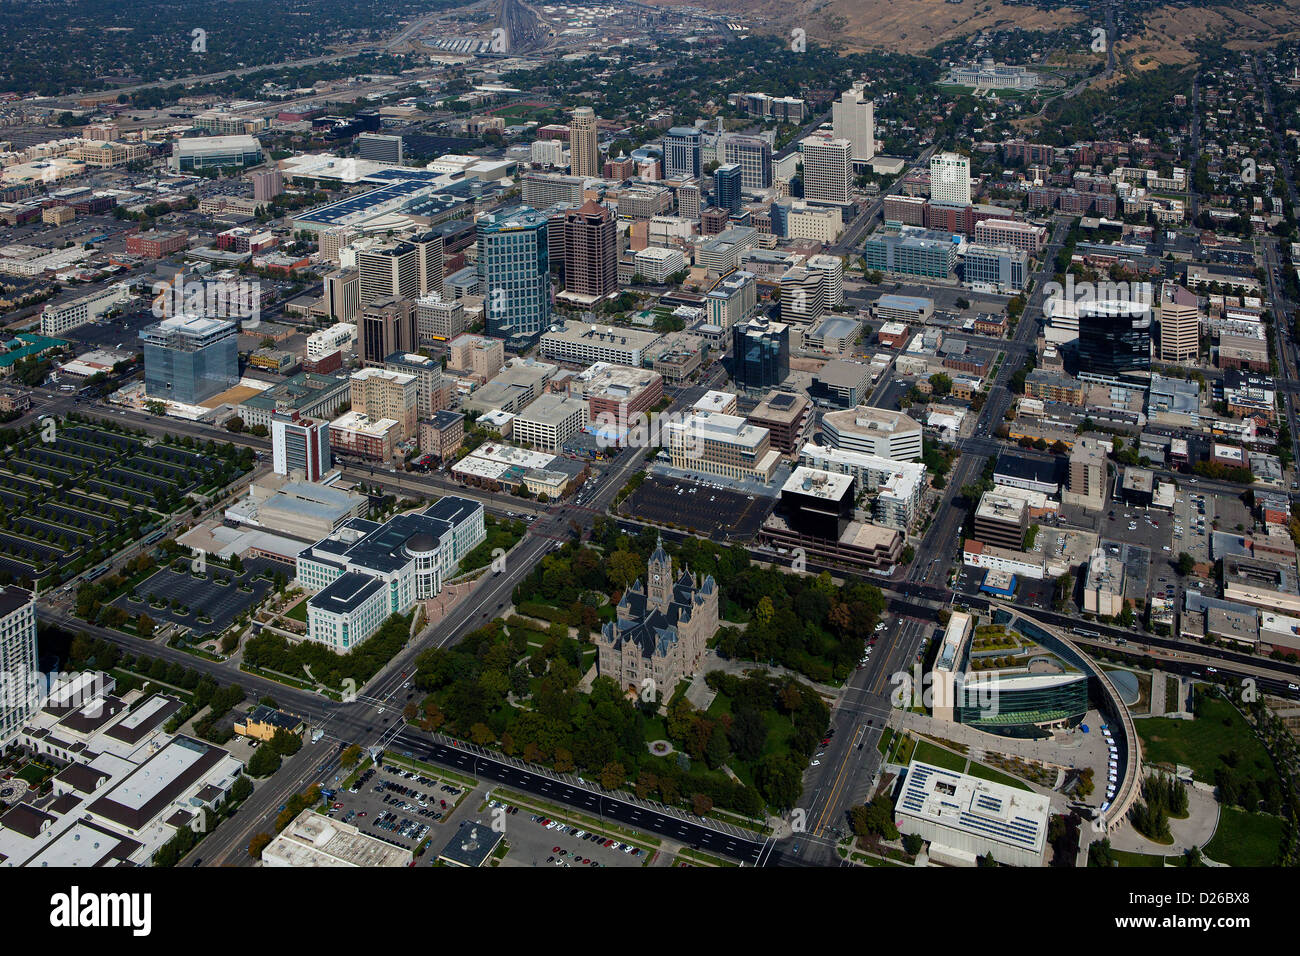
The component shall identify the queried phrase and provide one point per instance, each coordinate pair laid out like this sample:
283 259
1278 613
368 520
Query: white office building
339 337
827 170
366 572
874 431
853 118
966 817
17 659
57 319
950 178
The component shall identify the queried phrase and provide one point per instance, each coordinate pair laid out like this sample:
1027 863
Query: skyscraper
683 148
827 170
428 248
342 294
853 116
390 270
514 265
584 151
18 652
950 178
727 182
590 252
385 326
189 359
1114 336
1180 323
761 354
300 444
754 156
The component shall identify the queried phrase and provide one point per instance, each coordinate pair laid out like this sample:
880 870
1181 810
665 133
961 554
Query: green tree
264 762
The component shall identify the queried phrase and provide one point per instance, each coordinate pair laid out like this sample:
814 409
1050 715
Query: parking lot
701 507
205 597
399 806
1149 529
539 840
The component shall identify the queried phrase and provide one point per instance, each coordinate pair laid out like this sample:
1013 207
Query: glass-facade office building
189 359
1114 336
683 148
514 264
911 251
1022 705
761 354
726 188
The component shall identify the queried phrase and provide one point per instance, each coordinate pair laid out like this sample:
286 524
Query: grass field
1128 858
931 754
1202 743
1245 839
997 776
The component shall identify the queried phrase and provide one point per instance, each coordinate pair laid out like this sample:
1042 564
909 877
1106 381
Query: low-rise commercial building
874 431
966 817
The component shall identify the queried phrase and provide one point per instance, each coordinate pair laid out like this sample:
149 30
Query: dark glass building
1114 337
760 354
726 187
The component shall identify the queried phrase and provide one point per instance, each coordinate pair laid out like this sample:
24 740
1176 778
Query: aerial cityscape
498 434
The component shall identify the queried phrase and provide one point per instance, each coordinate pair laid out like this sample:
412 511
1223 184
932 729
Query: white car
816 763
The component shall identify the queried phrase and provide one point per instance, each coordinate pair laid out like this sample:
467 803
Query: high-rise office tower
1114 336
390 270
385 326
827 170
689 200
590 251
833 268
342 294
727 181
584 150
380 393
428 247
1180 323
853 117
683 151
267 184
18 664
950 178
514 265
753 155
189 359
761 353
300 444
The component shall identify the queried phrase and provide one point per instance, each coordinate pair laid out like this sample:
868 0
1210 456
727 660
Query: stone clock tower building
662 629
